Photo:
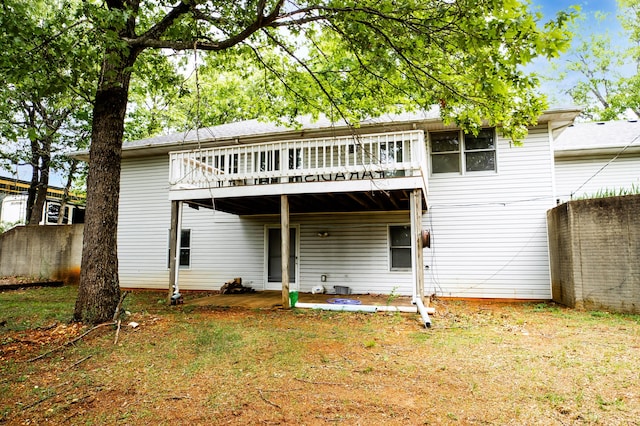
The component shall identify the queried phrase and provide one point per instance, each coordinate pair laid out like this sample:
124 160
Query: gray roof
599 136
255 128
252 131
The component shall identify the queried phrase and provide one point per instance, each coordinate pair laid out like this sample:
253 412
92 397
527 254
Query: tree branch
321 86
158 29
152 37
70 342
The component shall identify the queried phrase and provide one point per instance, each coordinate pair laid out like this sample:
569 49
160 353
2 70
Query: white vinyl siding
489 230
222 246
585 176
488 234
355 253
143 219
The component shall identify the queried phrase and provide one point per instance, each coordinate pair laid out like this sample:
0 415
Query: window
400 246
445 152
454 151
185 249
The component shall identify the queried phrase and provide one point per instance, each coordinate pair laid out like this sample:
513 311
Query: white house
597 158
355 200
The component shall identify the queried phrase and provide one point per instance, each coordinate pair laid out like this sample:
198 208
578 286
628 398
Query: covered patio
344 174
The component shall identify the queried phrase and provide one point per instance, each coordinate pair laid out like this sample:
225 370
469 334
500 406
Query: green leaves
601 74
355 59
48 68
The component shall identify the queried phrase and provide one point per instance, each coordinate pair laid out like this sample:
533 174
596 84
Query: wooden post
416 244
285 238
173 247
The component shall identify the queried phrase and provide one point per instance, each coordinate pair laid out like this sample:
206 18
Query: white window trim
390 247
461 155
179 247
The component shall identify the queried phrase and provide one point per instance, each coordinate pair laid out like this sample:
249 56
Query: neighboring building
356 200
13 204
597 158
13 211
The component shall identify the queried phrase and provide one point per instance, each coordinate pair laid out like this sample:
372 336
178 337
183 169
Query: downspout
176 289
423 312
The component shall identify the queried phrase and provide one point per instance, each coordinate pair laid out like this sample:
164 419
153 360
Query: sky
591 25
548 8
551 6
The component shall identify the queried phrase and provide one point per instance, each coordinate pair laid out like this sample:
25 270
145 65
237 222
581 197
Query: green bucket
293 298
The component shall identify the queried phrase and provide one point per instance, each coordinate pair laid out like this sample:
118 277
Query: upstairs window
445 152
455 151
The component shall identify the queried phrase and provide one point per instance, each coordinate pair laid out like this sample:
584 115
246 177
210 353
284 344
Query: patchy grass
481 363
37 307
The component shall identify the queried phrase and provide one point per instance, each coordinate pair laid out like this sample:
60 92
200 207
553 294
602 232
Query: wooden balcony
345 165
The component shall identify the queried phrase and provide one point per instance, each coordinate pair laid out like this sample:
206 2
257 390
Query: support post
416 221
285 248
174 249
417 262
173 246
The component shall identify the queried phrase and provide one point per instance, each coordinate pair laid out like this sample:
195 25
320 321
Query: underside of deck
329 202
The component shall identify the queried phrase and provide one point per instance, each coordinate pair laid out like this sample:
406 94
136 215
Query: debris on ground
235 287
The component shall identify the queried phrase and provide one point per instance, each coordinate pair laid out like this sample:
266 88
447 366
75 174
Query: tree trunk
32 192
99 290
73 165
37 210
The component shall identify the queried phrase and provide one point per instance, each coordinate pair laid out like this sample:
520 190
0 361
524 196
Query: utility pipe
423 312
404 309
362 308
343 308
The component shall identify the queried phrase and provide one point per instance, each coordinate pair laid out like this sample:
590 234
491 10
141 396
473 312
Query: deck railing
376 156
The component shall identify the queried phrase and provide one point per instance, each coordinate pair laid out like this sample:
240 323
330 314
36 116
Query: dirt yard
481 363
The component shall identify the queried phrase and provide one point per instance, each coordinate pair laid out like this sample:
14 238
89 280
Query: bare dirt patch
481 363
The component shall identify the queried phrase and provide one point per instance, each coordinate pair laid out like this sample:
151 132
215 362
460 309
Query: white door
273 257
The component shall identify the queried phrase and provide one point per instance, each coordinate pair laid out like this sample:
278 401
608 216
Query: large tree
346 58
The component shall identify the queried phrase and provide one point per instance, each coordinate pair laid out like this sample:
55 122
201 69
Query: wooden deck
273 299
